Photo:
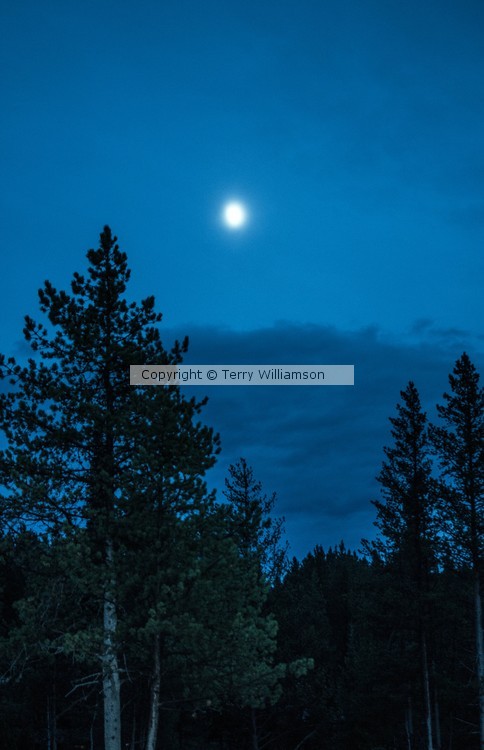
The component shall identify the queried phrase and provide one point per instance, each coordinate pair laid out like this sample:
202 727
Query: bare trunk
480 653
154 698
438 736
133 734
451 733
409 724
49 740
426 687
253 721
111 681
51 723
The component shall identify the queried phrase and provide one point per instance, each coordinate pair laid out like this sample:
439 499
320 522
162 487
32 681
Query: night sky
353 133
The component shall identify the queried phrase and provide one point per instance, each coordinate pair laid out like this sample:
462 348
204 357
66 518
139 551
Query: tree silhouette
459 445
83 443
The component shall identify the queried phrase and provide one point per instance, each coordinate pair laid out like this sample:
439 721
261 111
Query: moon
234 215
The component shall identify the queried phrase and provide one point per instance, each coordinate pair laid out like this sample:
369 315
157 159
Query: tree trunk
133 733
409 724
480 653
438 735
111 681
427 702
154 698
253 721
51 723
91 728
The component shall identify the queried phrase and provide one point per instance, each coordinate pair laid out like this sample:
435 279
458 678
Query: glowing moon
234 215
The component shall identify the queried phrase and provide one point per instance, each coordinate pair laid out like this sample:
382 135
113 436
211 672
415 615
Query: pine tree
459 445
256 532
406 519
82 442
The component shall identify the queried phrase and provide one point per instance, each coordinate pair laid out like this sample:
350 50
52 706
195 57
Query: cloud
320 449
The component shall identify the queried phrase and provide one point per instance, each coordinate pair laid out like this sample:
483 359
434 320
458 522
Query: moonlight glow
234 215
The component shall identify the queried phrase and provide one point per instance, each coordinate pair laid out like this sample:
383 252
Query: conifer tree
406 519
257 534
459 445
82 442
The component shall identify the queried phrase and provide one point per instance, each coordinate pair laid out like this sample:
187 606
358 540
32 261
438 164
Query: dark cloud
320 449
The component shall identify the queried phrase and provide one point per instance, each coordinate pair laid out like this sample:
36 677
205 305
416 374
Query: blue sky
354 134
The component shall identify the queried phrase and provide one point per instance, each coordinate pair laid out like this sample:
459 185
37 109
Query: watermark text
241 375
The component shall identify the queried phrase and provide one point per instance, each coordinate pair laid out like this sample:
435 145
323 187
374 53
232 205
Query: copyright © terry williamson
241 374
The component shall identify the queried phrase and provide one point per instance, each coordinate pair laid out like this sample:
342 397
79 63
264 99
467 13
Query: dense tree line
138 612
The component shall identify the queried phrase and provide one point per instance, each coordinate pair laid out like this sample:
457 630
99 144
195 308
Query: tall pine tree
82 442
459 445
406 519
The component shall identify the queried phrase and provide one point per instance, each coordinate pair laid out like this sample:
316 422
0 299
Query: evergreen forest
140 611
